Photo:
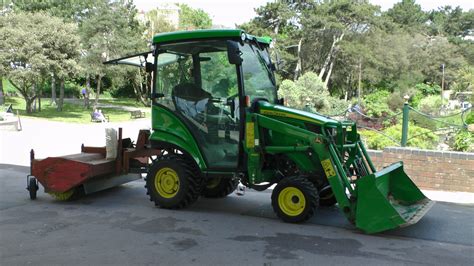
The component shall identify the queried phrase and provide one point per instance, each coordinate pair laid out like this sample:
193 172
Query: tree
28 58
327 25
407 14
110 31
190 18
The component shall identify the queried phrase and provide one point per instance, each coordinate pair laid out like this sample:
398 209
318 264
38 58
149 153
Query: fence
375 124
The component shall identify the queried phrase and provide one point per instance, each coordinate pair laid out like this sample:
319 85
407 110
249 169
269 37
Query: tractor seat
190 92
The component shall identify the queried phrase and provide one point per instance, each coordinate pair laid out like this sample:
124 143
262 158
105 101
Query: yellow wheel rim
167 182
291 201
213 183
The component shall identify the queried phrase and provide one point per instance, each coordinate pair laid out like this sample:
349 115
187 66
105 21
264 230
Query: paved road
120 226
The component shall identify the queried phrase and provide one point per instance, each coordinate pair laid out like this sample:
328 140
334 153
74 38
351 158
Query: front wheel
173 182
295 199
32 187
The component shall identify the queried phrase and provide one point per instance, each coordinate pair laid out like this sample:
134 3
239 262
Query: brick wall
432 170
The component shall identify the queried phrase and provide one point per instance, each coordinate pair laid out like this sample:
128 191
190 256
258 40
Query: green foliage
376 104
464 141
27 59
431 104
470 118
190 18
428 89
309 93
417 137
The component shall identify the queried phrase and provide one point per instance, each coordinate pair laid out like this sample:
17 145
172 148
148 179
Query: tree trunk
53 90
34 100
2 96
328 76
327 62
29 105
141 91
88 89
61 96
96 102
39 100
299 63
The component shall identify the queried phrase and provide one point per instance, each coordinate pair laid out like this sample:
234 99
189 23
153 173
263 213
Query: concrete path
121 227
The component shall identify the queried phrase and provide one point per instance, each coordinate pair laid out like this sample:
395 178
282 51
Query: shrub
431 104
469 118
309 93
428 89
464 141
376 104
417 137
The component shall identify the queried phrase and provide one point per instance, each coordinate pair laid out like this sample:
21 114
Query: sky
231 12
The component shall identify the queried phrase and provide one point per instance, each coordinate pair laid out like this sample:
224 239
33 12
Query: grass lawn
74 113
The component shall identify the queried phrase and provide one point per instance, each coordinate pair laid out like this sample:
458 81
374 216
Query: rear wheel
173 182
219 187
295 199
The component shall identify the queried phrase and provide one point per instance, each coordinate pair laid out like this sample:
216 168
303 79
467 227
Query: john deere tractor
218 120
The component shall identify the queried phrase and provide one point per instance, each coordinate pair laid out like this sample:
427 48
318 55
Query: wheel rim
213 183
291 201
167 182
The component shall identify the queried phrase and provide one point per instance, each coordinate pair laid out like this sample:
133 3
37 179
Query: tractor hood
266 108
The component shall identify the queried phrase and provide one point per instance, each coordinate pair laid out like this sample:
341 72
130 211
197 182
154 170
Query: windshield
259 81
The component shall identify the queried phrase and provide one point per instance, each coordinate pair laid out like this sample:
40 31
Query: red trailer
90 171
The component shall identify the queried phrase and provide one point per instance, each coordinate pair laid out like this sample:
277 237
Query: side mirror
234 53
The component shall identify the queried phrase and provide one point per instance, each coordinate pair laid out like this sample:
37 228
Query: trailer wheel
32 187
219 187
173 182
295 199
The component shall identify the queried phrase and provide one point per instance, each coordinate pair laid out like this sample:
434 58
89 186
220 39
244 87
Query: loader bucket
389 199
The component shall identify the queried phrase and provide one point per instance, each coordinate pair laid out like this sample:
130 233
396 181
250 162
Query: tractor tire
326 197
173 182
295 199
219 187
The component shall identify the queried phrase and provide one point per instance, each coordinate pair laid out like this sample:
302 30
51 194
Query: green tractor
217 118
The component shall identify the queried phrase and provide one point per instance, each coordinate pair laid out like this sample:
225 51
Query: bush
308 93
469 118
376 104
431 104
417 137
464 141
428 89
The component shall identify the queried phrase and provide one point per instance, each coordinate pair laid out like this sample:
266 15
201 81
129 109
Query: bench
137 114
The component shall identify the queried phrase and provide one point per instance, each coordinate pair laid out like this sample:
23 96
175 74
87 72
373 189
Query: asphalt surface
120 226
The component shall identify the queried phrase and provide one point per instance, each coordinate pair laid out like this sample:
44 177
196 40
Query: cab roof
178 36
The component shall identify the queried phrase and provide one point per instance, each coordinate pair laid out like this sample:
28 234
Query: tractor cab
202 78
